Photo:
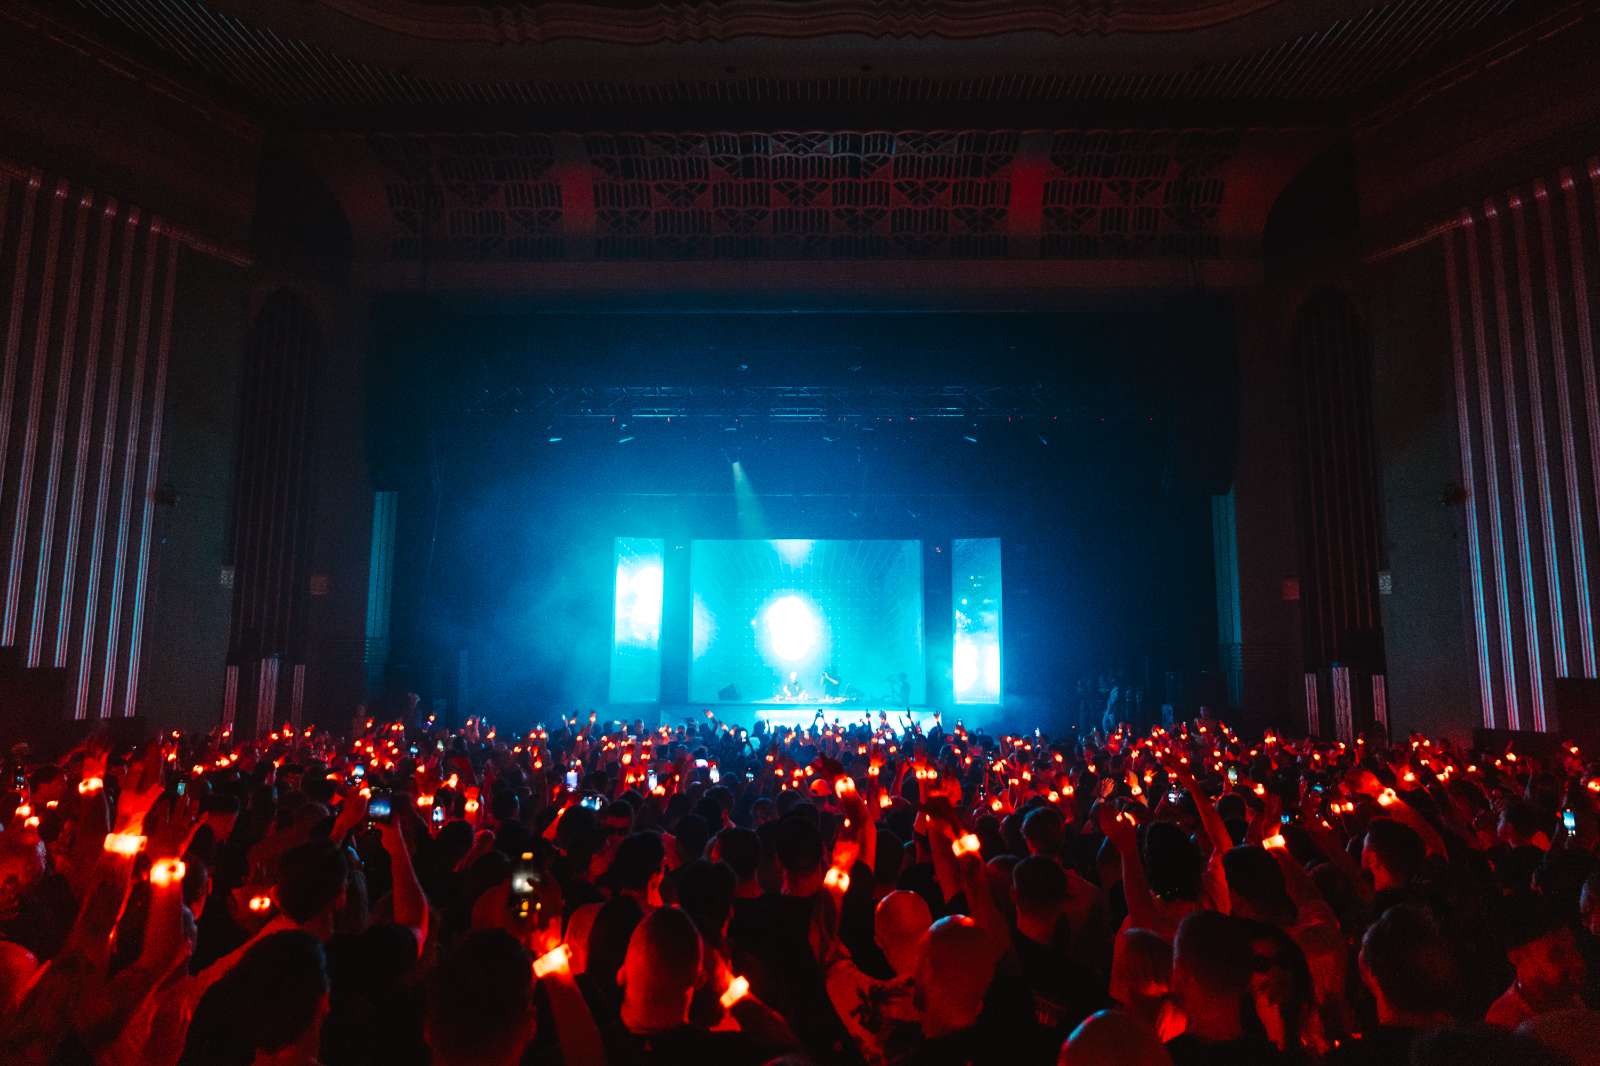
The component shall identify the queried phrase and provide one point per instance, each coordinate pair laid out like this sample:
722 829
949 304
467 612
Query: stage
746 715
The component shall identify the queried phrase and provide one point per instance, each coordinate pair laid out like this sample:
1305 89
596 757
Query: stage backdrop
766 609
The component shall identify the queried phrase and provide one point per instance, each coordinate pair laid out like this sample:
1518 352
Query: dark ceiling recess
1129 52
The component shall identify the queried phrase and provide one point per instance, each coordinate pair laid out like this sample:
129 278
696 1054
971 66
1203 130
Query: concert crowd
866 890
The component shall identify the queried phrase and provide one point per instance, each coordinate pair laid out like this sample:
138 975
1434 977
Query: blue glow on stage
832 623
636 621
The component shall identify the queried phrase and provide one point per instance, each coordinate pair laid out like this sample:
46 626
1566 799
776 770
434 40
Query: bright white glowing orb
793 629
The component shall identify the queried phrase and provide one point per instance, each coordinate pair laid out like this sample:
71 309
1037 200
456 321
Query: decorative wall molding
323 55
503 24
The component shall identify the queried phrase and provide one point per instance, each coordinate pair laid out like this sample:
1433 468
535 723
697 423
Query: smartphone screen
572 779
1233 775
379 807
523 898
1569 821
715 775
650 780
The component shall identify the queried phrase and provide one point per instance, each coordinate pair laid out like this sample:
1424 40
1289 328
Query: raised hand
170 827
141 790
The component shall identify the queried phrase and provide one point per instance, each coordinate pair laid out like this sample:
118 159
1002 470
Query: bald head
953 974
660 971
1113 1038
899 924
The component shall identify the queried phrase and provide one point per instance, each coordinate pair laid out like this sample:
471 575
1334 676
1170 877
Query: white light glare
638 612
792 628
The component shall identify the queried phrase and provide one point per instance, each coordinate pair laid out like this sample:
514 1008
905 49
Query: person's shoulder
1509 1009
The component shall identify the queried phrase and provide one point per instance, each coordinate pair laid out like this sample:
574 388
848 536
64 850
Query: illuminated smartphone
650 780
715 775
523 898
572 780
380 808
1569 821
438 815
1233 775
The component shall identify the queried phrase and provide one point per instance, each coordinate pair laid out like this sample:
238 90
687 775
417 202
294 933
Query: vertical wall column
273 507
380 588
1225 565
1336 485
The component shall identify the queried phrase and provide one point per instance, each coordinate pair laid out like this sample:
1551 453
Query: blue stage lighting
636 621
638 613
979 633
965 672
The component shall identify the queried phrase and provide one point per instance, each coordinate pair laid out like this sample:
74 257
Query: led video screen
825 623
975 599
636 621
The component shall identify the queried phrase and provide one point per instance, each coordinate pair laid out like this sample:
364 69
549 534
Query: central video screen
812 622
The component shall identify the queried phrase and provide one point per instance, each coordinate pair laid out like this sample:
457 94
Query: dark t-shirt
1246 1051
683 1046
374 1005
770 941
969 1047
1382 1046
1064 992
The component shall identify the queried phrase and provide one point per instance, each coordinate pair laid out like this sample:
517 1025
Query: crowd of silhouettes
871 890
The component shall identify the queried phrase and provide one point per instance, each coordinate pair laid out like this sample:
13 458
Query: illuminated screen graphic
636 622
975 596
814 622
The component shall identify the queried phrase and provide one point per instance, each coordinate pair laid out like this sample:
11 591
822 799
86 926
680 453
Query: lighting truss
770 403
